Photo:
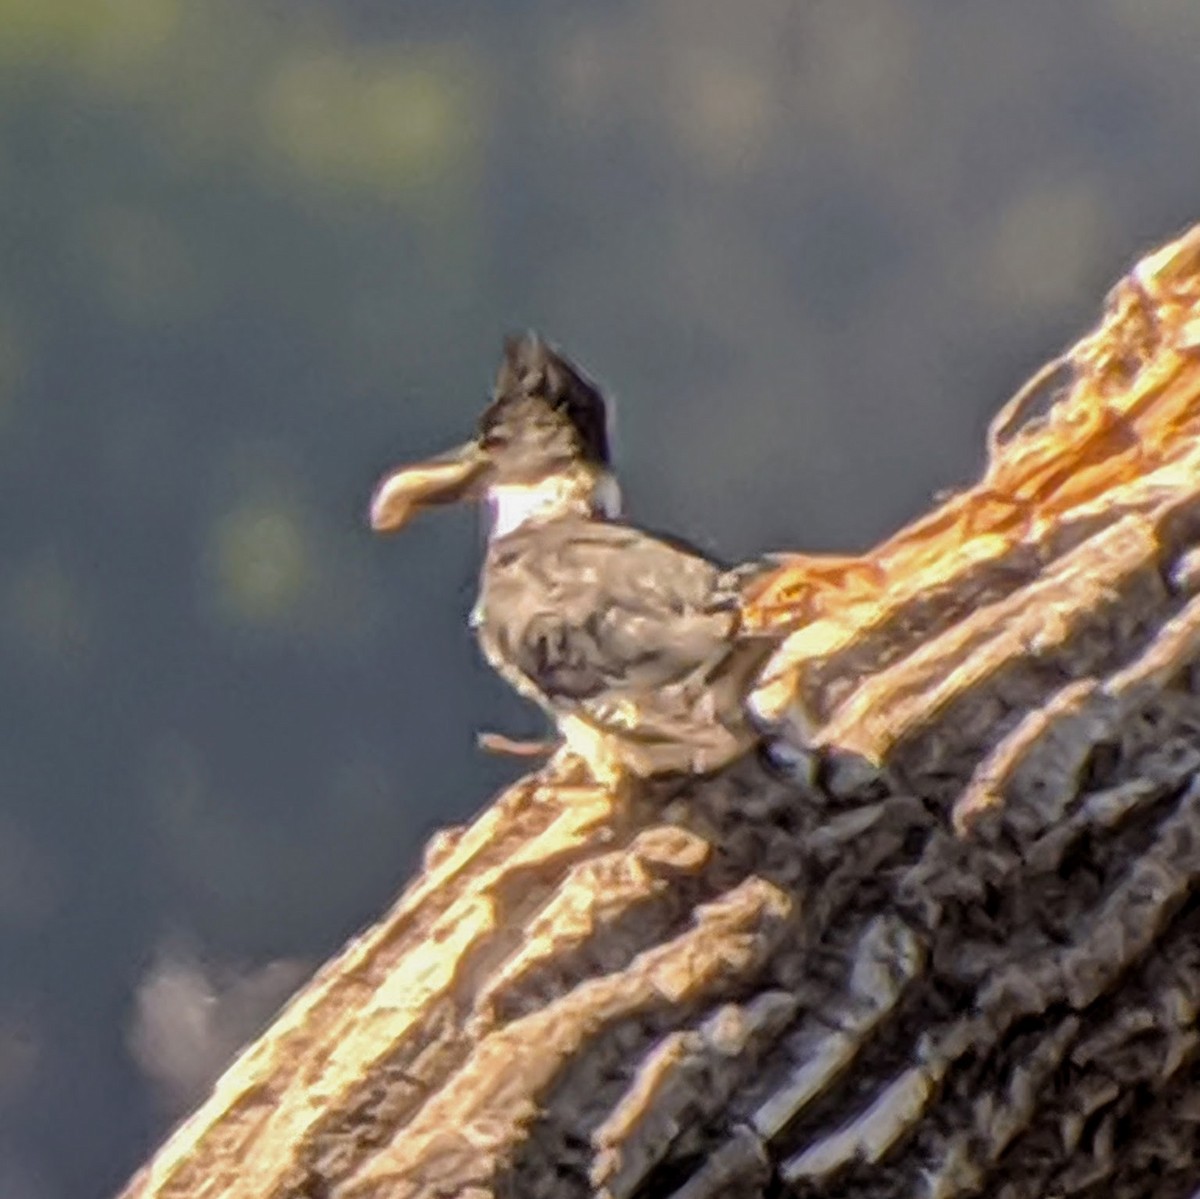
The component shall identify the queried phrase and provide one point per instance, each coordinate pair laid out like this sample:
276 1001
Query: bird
631 642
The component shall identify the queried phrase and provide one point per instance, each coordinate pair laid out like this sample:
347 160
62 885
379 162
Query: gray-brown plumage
630 642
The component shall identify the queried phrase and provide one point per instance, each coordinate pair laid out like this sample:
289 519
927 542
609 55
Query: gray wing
605 610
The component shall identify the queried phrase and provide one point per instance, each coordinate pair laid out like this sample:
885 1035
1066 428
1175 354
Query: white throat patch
515 504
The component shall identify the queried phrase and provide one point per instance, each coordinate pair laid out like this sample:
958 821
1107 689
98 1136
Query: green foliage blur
252 252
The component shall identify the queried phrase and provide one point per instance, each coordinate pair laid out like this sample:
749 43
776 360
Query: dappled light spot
110 39
395 120
260 567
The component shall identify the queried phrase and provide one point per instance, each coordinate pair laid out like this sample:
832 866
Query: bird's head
541 450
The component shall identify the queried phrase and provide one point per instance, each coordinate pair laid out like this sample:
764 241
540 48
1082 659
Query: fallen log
958 953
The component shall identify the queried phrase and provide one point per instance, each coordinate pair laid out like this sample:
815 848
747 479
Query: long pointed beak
446 479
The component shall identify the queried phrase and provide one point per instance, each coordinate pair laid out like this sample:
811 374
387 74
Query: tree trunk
957 954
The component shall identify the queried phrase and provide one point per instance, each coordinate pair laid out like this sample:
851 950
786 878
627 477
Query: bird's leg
498 743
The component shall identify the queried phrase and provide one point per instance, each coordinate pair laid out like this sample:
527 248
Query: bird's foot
572 777
568 769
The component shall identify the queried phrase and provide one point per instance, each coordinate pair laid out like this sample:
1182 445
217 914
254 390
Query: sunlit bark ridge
961 956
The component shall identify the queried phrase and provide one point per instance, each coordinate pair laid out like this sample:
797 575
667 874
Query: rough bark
960 955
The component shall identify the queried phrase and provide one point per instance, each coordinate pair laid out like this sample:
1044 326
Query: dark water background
253 251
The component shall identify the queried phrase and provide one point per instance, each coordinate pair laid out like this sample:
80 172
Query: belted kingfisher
629 641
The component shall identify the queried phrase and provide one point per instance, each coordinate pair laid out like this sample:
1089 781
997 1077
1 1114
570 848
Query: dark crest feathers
541 397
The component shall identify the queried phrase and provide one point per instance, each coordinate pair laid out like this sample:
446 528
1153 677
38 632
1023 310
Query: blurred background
255 251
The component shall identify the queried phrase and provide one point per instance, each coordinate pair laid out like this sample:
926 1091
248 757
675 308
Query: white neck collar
512 505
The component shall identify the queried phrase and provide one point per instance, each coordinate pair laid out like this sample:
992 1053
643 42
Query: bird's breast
492 636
